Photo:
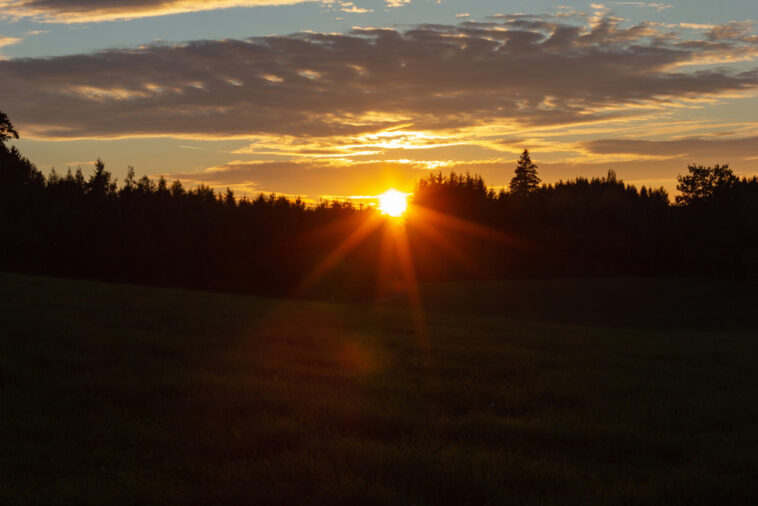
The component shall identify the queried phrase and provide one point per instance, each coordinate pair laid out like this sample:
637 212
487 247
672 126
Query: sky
333 98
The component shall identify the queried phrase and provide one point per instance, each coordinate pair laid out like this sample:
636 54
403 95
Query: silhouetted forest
156 232
602 226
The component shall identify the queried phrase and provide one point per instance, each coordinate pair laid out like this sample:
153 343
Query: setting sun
393 202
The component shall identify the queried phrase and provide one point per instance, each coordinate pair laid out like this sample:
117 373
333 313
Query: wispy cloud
659 7
85 11
694 147
396 3
8 41
351 8
309 178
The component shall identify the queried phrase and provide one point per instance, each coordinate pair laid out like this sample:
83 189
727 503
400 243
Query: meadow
568 391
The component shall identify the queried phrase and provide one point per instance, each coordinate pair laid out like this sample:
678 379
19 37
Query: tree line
602 226
156 232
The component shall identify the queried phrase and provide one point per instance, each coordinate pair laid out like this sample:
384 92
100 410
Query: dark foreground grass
126 395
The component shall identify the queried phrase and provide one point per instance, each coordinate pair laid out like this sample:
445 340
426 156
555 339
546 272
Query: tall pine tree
525 180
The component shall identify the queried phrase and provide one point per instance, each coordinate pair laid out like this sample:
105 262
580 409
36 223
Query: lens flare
393 203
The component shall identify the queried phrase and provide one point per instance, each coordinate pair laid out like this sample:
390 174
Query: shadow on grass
131 395
679 304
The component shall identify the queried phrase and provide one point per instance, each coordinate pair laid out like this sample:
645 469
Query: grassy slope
124 394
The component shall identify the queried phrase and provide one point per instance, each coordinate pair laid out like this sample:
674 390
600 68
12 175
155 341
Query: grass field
529 392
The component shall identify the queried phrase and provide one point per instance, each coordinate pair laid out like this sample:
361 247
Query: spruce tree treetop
525 180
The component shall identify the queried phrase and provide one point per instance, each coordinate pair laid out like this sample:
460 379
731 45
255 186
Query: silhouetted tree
702 183
130 183
229 199
100 183
525 181
6 128
176 189
162 187
15 169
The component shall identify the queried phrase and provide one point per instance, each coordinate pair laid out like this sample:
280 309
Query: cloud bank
696 147
528 71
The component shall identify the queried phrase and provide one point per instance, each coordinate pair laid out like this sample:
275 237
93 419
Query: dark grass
117 394
643 303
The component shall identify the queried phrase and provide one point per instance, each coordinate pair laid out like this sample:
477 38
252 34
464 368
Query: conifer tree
525 180
6 128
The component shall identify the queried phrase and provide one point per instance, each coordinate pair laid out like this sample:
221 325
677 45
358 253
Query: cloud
84 11
735 31
697 147
8 41
309 178
522 71
351 8
659 7
696 26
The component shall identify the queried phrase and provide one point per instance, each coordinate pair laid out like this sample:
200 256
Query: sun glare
393 203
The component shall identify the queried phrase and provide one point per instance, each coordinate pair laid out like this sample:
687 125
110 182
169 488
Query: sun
393 203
